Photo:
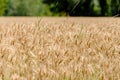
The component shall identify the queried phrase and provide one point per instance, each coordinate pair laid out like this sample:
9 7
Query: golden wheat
62 49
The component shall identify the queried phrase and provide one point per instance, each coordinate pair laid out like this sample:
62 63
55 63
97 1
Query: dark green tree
115 7
104 7
85 7
60 7
75 7
2 7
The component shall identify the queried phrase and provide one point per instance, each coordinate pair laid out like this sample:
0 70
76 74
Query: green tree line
59 7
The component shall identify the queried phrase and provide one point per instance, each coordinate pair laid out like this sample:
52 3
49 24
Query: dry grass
62 49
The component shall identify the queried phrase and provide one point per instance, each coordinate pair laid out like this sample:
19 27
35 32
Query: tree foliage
59 7
3 4
85 7
27 8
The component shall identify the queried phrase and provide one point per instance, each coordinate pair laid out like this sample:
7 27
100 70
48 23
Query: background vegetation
59 7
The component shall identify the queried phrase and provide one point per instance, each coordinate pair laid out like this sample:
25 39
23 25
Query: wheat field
59 48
